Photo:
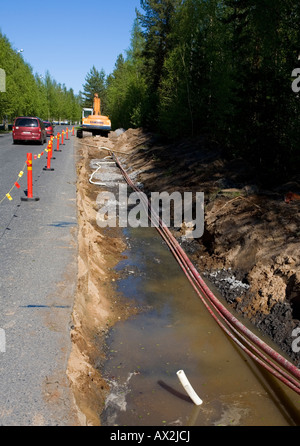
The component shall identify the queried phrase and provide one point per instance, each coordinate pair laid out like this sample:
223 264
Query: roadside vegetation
29 94
222 69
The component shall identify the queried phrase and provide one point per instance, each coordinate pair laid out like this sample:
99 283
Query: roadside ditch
249 250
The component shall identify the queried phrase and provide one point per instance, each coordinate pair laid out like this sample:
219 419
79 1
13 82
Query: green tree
265 43
127 86
216 67
30 94
156 24
196 81
95 82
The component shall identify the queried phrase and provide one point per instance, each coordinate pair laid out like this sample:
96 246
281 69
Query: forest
222 69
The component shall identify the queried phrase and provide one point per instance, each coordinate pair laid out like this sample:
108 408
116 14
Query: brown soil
97 305
249 250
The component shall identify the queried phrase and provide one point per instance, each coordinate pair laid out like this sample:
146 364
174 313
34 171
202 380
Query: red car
27 128
49 128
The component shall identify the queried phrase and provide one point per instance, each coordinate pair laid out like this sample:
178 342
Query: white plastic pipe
188 388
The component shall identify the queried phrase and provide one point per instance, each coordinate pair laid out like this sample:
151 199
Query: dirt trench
249 249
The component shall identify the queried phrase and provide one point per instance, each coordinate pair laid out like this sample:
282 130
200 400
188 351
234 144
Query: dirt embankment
250 247
97 305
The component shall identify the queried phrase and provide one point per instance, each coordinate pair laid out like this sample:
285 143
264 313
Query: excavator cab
86 112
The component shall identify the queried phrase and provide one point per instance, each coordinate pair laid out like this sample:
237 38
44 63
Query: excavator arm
97 105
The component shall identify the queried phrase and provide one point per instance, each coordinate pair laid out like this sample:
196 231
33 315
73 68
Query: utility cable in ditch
259 350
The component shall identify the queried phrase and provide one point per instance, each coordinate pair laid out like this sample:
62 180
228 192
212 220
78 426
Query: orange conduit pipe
283 374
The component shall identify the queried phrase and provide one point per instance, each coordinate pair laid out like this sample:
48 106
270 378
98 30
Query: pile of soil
249 249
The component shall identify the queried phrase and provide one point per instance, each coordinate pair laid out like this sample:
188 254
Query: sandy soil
97 305
249 250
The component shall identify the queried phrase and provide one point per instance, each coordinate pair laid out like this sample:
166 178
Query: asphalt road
37 285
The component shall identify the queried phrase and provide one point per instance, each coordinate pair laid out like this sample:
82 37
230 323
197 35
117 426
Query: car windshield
47 124
26 122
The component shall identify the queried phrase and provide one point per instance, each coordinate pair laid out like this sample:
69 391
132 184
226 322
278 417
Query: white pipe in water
188 388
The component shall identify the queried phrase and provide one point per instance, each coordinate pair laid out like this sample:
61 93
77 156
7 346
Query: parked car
49 128
27 128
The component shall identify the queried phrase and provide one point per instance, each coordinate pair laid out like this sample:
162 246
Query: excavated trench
172 332
251 235
250 261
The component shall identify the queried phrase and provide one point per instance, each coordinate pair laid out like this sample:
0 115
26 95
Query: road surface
37 285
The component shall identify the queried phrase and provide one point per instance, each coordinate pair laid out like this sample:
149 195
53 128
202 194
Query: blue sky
68 37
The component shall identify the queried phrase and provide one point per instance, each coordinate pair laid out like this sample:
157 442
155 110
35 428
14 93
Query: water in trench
175 332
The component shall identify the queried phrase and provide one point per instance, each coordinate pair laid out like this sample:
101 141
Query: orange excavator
93 121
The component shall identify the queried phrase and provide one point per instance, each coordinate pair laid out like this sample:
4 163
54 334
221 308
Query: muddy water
175 332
